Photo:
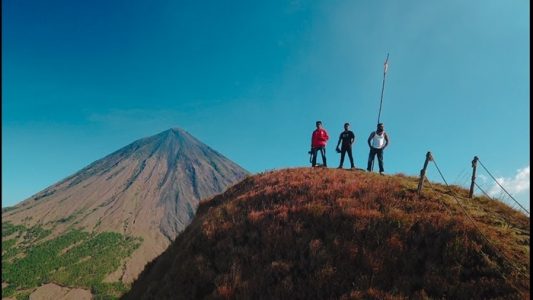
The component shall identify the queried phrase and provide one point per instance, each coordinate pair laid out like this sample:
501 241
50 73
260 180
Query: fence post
423 172
474 166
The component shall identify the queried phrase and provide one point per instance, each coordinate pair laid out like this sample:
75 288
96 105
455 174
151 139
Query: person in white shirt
377 141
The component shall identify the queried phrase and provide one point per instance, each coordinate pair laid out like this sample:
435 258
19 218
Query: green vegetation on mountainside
73 259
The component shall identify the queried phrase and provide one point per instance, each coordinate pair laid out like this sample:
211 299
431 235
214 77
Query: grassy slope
321 233
74 259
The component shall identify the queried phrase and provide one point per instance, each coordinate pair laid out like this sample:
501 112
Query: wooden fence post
474 166
423 172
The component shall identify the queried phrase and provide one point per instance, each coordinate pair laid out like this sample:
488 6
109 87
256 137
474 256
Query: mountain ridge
149 189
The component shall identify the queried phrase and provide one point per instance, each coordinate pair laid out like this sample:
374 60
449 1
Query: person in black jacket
347 138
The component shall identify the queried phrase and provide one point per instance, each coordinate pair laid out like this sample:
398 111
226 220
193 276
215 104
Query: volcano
148 190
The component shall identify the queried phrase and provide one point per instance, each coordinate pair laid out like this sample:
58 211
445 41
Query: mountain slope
149 189
335 234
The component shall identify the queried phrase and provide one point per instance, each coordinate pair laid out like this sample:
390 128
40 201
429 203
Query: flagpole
385 66
383 85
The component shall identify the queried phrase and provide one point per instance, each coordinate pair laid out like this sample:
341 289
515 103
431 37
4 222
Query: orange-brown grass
336 234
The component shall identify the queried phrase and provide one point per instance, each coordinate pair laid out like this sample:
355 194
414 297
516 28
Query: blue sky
82 79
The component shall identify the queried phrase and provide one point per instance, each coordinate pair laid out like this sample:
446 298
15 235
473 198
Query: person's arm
369 139
353 139
386 141
326 135
339 142
312 138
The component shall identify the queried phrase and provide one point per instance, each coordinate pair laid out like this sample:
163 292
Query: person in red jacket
319 140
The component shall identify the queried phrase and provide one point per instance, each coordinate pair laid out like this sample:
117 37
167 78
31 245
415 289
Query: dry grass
335 234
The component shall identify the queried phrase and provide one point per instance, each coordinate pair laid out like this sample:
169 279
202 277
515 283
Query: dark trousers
373 152
345 149
322 152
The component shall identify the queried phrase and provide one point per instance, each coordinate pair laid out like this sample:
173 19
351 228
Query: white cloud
483 178
514 185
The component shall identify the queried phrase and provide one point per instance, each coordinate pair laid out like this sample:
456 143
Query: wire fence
464 211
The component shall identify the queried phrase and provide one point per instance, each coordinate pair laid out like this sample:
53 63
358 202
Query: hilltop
337 234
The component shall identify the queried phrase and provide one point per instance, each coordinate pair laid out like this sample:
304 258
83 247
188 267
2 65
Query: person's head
346 126
318 124
380 127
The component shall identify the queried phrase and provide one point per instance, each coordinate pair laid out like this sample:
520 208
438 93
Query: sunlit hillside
337 234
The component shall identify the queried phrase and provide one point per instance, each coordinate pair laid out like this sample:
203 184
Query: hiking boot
381 173
339 167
